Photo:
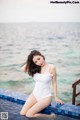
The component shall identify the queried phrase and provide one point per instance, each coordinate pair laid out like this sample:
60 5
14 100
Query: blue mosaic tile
65 110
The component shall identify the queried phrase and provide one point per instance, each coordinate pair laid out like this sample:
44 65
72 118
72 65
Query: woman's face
38 60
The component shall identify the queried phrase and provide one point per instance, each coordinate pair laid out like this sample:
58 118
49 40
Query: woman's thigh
40 105
28 104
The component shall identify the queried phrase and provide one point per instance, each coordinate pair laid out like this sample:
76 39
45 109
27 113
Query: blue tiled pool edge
20 98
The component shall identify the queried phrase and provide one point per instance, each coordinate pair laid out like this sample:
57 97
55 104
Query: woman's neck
44 68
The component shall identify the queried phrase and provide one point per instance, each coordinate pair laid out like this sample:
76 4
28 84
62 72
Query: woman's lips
42 64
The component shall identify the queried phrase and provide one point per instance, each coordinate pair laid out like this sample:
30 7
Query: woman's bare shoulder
53 66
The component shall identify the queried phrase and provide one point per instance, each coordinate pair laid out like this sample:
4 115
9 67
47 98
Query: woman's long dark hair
32 67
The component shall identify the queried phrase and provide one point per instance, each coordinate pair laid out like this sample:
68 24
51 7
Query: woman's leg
28 104
40 105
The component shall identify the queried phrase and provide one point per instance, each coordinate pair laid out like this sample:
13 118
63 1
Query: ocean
58 42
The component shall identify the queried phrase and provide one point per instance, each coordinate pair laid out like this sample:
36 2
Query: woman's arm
54 84
24 68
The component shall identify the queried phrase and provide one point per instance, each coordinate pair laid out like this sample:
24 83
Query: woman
42 73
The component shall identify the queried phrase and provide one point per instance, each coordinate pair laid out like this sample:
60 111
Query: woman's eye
36 62
38 58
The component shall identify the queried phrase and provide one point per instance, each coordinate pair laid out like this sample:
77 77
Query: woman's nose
39 63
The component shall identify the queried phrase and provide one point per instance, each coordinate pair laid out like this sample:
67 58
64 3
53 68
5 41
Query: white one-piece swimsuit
42 85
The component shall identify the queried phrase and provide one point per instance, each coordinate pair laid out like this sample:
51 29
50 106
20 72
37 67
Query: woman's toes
53 116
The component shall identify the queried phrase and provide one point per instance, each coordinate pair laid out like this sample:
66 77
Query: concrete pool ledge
20 98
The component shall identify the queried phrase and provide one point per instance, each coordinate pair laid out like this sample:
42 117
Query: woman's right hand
24 68
57 100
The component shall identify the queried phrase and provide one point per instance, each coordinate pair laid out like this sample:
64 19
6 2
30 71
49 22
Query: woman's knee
29 114
22 113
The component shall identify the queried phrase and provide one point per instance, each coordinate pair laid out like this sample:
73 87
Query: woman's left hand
57 100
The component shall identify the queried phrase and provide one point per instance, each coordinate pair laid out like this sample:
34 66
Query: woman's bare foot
53 116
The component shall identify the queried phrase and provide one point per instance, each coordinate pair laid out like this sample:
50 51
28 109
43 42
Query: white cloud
38 10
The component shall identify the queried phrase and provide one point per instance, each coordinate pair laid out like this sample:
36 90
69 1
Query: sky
38 11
